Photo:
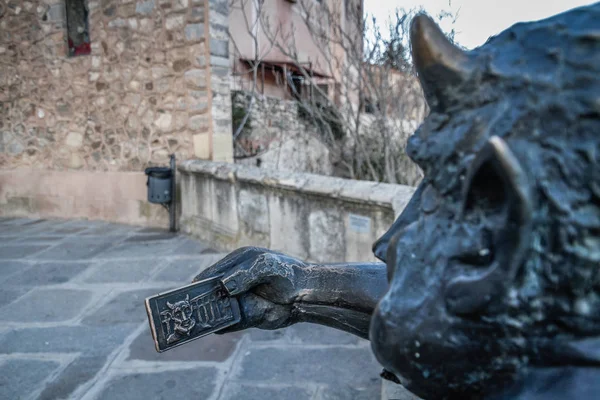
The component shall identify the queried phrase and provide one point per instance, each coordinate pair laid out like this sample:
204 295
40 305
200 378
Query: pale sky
478 19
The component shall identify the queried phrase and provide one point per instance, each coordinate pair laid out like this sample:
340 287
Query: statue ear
497 190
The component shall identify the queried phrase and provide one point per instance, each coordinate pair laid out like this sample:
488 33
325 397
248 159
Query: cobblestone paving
73 325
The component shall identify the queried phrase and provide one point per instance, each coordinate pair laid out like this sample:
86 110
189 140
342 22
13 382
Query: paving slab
394 391
143 249
318 334
81 249
8 239
345 392
9 220
8 268
29 227
193 247
65 339
46 305
196 383
8 295
339 366
208 348
253 392
270 336
40 239
47 274
19 379
80 371
184 270
15 251
85 223
152 237
67 230
123 271
151 230
107 229
123 308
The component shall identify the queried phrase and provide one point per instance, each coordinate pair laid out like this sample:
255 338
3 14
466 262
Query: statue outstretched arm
342 296
276 290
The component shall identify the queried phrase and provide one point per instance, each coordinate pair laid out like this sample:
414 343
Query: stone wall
145 91
139 96
314 217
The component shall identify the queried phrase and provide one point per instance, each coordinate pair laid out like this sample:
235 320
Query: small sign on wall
359 224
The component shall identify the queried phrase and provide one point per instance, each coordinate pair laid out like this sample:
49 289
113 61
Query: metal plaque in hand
190 312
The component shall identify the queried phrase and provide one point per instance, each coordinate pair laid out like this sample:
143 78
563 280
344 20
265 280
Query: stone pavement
73 325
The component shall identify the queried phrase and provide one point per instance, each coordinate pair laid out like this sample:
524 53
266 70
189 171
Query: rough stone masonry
146 90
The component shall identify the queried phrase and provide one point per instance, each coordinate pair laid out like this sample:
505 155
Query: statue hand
263 281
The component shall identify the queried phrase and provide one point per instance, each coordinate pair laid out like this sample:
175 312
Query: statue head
494 267
181 313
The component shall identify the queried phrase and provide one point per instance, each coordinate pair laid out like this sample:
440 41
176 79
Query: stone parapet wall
314 217
141 94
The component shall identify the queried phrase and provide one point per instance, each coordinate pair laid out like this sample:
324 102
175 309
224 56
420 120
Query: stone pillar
215 143
218 43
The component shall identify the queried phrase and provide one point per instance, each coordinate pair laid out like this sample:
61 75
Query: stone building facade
155 82
281 138
278 136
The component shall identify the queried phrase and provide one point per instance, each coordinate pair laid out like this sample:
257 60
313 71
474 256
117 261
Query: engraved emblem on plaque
190 312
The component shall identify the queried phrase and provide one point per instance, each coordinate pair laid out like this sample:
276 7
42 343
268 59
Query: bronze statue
491 282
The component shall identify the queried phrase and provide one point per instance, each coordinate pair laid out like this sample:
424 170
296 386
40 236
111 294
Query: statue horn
440 64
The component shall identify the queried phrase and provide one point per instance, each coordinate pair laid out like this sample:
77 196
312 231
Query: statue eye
478 252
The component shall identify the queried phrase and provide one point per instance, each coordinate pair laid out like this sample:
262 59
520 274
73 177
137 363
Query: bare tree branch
357 90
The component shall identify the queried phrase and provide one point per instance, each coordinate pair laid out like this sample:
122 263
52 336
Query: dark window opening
78 30
369 106
295 79
295 83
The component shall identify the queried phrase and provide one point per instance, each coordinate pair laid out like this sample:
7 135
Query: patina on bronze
491 282
191 312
